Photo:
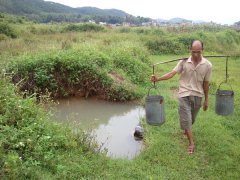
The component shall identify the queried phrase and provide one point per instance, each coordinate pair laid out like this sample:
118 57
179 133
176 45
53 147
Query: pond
112 124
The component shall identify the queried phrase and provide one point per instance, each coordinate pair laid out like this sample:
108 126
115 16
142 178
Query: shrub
165 46
7 30
186 41
3 37
87 70
83 28
133 61
30 143
158 32
124 30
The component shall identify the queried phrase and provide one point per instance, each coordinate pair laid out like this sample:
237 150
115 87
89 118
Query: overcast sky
219 11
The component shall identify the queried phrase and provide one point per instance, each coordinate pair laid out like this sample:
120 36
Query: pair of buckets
154 106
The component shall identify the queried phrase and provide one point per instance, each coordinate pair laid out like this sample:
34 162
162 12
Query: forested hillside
43 11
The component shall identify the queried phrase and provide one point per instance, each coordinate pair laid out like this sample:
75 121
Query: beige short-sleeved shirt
191 77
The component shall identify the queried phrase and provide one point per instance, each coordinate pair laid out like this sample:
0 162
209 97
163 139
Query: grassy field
118 60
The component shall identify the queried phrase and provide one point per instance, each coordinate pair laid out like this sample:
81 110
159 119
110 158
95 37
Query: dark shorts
188 109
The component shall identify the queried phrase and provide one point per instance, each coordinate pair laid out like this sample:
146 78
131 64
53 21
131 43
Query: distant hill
178 20
25 7
173 21
45 11
101 12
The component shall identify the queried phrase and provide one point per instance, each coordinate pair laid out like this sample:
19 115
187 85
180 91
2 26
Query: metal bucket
154 107
224 102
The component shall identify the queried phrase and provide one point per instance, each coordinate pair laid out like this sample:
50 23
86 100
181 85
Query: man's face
196 50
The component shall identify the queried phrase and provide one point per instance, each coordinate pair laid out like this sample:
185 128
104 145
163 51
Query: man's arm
205 90
166 76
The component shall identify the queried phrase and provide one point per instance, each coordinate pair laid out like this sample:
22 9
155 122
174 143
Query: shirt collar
202 61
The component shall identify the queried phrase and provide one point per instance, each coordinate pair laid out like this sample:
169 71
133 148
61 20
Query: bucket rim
154 96
230 92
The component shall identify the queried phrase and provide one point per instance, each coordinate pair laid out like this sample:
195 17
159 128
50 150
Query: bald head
196 44
196 50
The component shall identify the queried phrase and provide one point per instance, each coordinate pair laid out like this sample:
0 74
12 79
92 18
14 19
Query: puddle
112 123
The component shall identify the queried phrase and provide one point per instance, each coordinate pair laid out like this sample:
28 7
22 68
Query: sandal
191 149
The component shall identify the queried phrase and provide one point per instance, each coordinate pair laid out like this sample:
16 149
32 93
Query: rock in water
139 131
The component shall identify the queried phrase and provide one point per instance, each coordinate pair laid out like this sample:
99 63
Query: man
194 79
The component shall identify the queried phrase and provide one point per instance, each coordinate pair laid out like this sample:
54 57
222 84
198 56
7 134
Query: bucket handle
154 83
224 82
153 87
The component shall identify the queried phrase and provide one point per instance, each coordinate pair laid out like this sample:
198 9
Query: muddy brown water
111 124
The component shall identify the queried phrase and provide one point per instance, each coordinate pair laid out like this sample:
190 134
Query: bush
31 146
186 40
133 61
87 70
7 30
158 32
124 30
83 28
3 37
165 46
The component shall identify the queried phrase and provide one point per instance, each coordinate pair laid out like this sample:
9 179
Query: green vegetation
87 71
33 147
7 30
83 28
45 12
113 64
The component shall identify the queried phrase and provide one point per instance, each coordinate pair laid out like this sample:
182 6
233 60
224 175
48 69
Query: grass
165 154
61 154
217 144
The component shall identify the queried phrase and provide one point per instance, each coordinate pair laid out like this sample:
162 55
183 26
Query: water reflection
113 123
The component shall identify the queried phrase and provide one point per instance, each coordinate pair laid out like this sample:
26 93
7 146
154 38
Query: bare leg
190 139
185 132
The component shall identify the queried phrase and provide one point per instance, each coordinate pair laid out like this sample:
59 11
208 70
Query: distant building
126 24
102 23
92 21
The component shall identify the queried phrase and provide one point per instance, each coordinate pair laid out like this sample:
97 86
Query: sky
219 11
